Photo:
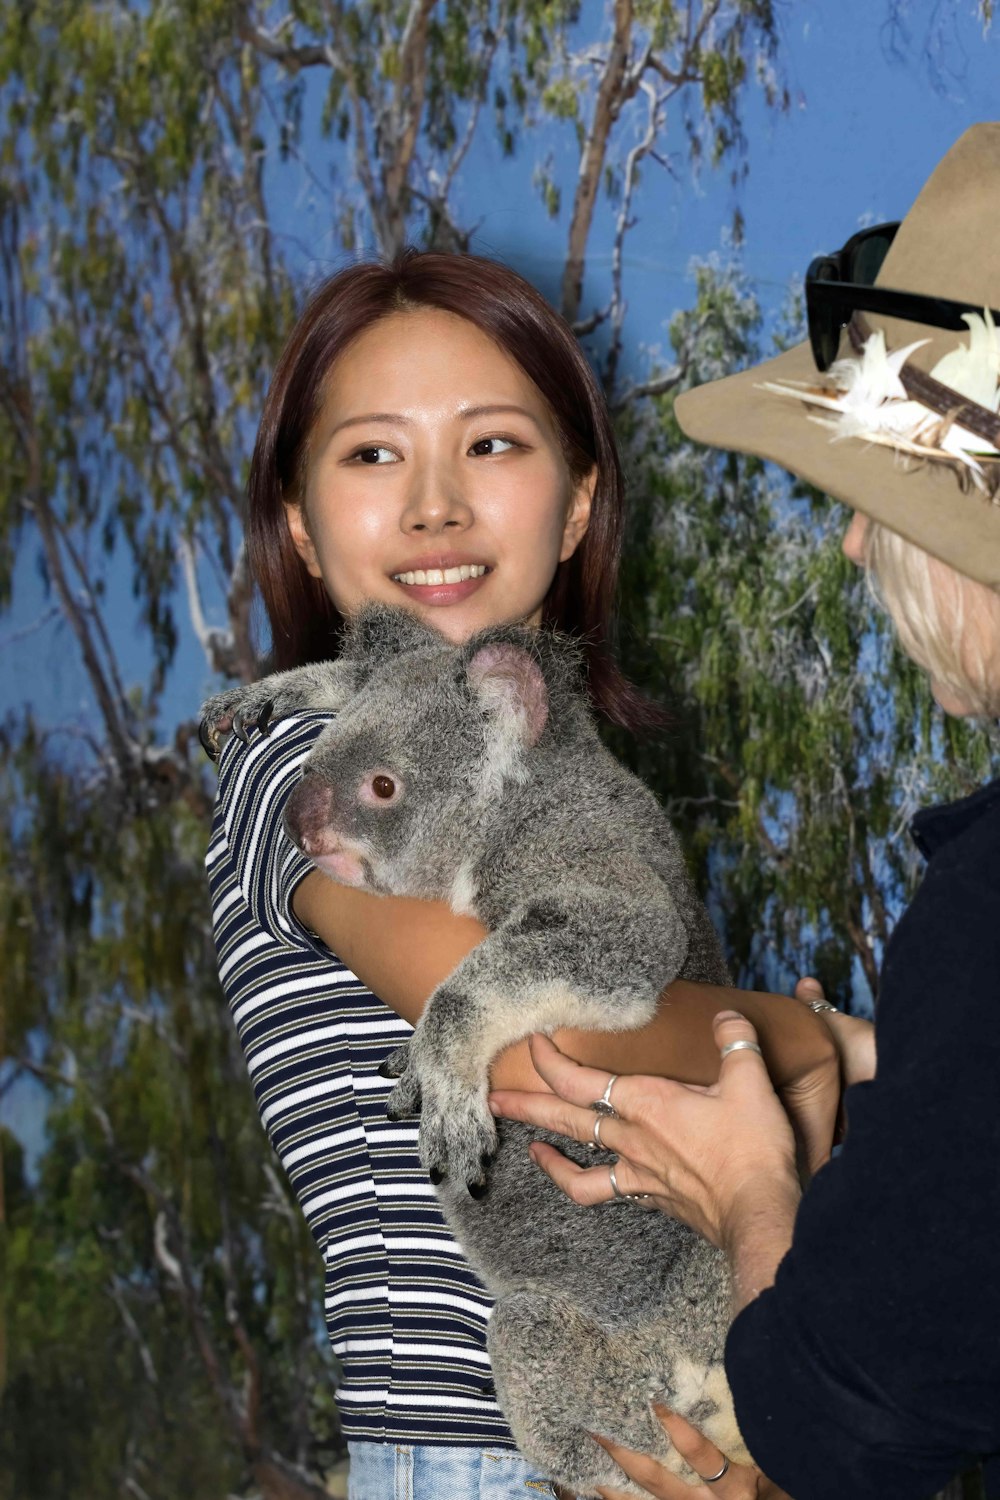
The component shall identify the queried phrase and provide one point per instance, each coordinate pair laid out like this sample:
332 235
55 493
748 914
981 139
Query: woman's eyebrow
492 411
463 415
371 416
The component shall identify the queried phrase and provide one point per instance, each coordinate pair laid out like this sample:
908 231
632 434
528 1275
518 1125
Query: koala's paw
238 709
458 1136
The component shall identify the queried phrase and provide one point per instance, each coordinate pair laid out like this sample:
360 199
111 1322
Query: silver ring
739 1047
597 1144
820 1005
603 1105
714 1478
625 1197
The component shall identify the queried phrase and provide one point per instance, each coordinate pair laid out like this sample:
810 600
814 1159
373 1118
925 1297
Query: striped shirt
405 1313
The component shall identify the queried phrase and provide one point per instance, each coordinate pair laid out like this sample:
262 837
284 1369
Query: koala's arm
402 949
324 685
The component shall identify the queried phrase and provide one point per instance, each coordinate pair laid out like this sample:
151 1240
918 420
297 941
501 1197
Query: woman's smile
440 578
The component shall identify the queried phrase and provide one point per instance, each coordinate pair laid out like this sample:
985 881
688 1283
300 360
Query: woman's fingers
590 1185
701 1453
741 1060
571 1080
738 1482
646 1471
809 989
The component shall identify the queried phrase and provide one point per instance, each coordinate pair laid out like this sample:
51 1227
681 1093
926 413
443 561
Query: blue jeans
401 1471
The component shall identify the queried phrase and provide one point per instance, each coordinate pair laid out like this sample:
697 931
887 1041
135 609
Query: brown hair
304 621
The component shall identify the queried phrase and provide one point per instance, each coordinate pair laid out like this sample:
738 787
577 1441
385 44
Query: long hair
305 624
931 606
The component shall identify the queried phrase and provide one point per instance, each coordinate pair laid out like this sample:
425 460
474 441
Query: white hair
948 623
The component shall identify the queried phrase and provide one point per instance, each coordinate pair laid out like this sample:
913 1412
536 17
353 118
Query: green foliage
112 997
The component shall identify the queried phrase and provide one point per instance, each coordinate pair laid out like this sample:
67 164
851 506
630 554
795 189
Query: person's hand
703 1154
812 1102
739 1482
853 1038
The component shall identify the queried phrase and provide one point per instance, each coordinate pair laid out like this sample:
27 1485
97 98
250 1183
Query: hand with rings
720 1479
687 1149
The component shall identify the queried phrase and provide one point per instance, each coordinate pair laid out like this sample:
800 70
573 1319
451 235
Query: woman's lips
441 593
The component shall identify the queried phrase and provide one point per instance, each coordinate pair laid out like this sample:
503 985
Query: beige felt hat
947 246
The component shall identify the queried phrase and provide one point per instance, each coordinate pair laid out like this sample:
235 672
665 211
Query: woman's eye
489 445
374 455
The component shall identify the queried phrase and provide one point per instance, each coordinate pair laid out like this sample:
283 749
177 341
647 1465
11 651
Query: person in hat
864 1356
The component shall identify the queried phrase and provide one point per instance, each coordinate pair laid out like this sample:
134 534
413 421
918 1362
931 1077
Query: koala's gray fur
507 805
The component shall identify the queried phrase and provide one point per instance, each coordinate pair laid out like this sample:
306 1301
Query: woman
865 1353
434 437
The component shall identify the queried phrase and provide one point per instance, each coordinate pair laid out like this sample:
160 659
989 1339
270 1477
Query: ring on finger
743 1046
597 1144
626 1197
714 1478
603 1105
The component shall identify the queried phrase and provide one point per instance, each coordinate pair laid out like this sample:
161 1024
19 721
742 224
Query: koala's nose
307 815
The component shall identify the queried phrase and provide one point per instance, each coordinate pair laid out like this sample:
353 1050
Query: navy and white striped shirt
405 1313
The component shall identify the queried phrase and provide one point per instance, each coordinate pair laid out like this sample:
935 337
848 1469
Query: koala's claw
208 739
404 1101
238 728
396 1063
458 1141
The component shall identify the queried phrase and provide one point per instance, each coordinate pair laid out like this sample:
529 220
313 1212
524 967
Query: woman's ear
298 530
578 514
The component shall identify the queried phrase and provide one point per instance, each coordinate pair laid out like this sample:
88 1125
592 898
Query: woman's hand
715 1157
739 1482
853 1038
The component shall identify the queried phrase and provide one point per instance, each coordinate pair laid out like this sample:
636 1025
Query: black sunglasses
839 285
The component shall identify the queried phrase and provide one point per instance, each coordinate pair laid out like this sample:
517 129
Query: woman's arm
403 948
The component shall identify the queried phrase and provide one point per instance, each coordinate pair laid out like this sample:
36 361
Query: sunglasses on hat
839 285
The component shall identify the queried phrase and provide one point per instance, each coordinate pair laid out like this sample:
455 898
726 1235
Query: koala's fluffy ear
378 632
507 678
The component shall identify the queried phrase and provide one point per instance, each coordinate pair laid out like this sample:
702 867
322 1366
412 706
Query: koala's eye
384 787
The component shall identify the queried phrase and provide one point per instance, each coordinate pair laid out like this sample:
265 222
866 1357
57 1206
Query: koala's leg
559 1377
327 685
589 959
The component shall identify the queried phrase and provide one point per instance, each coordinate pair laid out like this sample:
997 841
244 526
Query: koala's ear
507 678
378 632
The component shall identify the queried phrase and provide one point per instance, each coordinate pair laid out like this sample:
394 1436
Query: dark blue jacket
871 1369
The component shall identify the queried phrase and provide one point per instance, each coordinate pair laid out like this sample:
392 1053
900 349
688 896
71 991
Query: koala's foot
458 1137
238 709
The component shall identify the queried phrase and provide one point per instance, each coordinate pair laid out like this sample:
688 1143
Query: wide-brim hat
947 246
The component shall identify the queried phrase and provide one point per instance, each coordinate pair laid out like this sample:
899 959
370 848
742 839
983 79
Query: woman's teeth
441 575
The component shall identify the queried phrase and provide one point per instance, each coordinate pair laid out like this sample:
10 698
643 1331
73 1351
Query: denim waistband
402 1471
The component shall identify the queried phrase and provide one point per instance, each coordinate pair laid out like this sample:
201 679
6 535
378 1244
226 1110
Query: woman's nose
436 500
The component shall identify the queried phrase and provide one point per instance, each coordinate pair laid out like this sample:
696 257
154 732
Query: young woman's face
436 479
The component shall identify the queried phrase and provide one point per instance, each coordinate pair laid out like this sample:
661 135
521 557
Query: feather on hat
857 433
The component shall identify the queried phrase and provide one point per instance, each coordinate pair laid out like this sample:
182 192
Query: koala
475 774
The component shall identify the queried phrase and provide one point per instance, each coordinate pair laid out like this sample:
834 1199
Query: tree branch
615 88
